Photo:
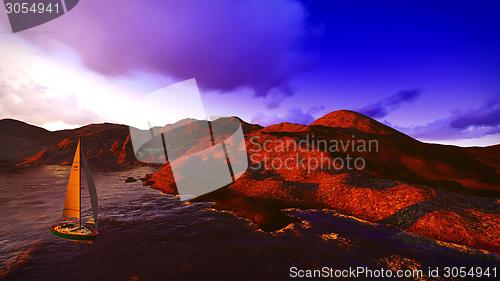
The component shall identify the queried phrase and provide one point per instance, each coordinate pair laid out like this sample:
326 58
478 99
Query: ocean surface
145 235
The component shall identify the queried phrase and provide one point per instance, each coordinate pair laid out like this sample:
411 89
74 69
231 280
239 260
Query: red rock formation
351 119
406 183
470 227
284 127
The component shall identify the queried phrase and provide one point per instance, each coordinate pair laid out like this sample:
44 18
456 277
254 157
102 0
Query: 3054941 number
31 8
471 272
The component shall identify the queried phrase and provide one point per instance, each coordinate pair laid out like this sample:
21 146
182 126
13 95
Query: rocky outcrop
406 183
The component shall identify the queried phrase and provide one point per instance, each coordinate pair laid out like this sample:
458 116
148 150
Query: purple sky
428 68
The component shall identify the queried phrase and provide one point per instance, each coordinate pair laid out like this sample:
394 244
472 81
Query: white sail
91 186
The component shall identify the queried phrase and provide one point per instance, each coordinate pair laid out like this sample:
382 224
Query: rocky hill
444 192
105 145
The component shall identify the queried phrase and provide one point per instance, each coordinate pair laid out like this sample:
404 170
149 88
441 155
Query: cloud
464 124
277 95
294 115
223 44
488 115
494 131
30 102
384 107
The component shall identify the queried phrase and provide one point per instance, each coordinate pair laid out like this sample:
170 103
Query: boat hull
73 236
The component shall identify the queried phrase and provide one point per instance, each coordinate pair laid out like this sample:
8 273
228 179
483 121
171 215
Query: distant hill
20 140
404 158
348 119
104 144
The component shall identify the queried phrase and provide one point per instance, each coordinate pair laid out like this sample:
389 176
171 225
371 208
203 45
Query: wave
21 258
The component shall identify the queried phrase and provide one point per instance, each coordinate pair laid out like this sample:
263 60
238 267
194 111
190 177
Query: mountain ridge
34 145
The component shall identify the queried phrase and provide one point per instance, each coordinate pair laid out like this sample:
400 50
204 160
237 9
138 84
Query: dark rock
130 179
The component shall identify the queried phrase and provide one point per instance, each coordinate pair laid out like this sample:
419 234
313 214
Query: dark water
148 236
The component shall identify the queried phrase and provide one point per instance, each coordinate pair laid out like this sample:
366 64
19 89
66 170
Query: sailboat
71 226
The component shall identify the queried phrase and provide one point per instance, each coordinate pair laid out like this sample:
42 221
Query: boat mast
80 180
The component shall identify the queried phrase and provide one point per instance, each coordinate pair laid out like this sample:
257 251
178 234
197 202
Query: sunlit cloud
56 91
